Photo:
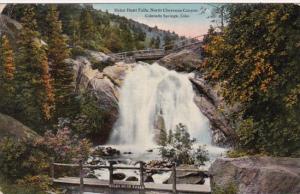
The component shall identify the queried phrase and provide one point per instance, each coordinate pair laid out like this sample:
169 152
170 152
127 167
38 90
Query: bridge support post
174 177
111 171
52 169
81 177
142 175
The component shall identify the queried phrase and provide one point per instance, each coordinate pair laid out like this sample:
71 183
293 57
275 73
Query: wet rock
131 178
116 73
119 176
158 164
96 161
150 150
256 175
148 179
90 175
113 162
209 103
127 152
185 177
105 151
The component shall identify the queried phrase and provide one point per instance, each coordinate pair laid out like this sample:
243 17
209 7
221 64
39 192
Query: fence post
142 175
174 177
81 177
111 169
52 169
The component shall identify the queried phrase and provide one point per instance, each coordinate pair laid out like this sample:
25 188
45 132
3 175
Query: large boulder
10 127
117 72
186 177
186 60
118 176
257 175
131 178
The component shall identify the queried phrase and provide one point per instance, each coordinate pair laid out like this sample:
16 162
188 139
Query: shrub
26 162
65 147
228 189
21 158
178 147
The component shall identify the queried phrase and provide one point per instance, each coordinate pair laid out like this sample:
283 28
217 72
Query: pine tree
152 42
35 90
87 30
8 59
61 72
157 42
7 89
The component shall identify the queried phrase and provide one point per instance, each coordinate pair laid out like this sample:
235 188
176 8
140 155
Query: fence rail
111 169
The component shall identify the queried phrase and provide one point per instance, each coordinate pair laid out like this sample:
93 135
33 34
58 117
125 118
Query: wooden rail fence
111 168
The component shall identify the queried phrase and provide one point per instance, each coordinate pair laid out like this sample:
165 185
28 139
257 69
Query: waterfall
152 94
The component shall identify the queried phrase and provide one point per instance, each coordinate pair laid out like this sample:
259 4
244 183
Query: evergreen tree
35 90
87 29
74 27
7 89
126 38
61 72
152 42
157 42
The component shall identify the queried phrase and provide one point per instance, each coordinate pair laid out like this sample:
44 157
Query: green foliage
178 147
7 77
37 185
26 162
61 72
100 65
34 90
21 158
92 120
228 189
236 153
256 59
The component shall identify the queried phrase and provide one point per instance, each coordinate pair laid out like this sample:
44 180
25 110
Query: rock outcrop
185 177
10 127
210 103
257 175
182 61
103 85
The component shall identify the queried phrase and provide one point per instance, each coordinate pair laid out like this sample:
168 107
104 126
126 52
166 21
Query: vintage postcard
149 97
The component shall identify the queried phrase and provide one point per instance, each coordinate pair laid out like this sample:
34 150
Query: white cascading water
150 92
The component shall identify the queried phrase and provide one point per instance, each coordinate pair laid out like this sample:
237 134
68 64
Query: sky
184 19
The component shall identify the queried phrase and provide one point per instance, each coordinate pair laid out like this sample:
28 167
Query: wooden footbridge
80 184
155 54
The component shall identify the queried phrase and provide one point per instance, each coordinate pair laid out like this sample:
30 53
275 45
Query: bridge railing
111 169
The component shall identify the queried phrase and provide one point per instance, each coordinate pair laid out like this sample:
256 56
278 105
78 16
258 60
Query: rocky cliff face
103 85
257 175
